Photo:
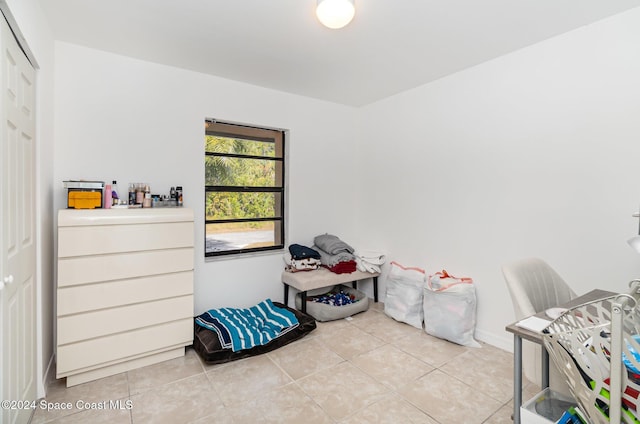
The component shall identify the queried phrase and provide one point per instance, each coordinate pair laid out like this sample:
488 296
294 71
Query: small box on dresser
125 289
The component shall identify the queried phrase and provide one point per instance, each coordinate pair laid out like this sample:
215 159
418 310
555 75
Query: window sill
234 256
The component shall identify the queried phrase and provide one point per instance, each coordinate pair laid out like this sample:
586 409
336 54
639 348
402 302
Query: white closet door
17 204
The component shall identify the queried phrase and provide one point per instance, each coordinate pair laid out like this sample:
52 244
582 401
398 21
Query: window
244 189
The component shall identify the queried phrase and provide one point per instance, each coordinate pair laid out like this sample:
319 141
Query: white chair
534 287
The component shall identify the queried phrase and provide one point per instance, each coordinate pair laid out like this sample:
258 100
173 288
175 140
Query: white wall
529 154
34 27
532 154
133 121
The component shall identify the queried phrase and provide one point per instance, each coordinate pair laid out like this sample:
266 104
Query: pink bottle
107 197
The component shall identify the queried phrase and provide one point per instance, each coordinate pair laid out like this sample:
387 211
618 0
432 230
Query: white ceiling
389 47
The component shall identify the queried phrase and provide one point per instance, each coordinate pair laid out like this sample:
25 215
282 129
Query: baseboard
503 341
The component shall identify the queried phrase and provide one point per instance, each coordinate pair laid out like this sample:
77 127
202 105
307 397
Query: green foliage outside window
244 188
240 165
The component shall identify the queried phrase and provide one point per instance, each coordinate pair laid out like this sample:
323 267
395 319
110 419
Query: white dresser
125 289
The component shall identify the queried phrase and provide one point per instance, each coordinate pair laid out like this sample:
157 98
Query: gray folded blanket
332 244
333 260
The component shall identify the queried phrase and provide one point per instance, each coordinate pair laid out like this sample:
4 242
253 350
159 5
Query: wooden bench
304 281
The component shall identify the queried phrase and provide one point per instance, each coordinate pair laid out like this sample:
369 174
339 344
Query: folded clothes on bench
331 244
346 267
297 265
331 260
299 251
369 261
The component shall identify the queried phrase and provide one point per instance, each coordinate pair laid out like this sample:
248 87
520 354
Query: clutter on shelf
330 252
83 194
140 197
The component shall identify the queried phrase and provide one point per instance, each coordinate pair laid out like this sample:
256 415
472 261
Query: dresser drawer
89 297
94 353
94 269
74 328
99 240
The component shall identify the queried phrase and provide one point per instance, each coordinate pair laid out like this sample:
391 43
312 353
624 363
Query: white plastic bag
403 300
450 308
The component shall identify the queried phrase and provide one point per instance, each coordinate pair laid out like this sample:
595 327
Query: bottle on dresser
132 194
146 203
139 194
115 193
179 195
107 196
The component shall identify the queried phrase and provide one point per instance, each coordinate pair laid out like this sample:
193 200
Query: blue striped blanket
240 329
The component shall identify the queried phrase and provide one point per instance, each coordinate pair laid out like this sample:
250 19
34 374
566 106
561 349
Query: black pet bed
207 344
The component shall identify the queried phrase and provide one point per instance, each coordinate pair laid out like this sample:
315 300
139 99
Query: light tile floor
367 369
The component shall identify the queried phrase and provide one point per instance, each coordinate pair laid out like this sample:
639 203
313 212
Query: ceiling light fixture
335 14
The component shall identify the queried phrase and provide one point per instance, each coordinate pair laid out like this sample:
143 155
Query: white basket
582 341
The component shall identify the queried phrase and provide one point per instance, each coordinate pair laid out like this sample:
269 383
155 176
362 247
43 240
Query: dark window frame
253 133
